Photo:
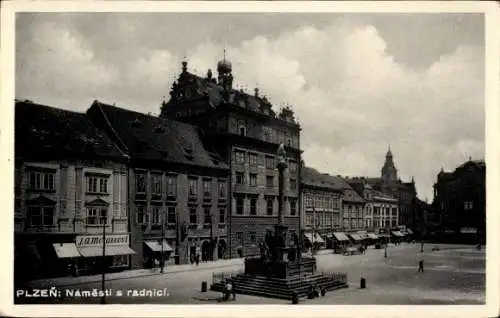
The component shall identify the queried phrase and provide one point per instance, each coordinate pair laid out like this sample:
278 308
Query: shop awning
372 236
66 250
309 236
397 233
355 237
363 235
111 250
155 246
318 238
341 236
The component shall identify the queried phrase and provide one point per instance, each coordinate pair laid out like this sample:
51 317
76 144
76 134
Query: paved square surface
453 275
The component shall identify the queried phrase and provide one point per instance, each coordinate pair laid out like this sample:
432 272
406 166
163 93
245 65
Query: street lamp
103 278
162 260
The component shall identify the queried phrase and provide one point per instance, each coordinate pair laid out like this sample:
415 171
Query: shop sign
97 240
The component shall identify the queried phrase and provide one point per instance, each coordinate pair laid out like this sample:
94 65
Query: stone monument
280 271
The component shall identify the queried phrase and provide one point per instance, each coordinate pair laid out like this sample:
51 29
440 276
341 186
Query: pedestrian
228 288
421 266
197 259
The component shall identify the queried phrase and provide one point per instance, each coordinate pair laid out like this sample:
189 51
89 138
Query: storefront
356 238
341 242
87 253
153 252
314 241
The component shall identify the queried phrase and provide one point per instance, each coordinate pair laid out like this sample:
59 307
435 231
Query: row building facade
70 191
459 203
177 195
321 197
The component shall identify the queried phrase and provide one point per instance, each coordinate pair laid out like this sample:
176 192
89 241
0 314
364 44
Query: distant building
246 132
380 209
177 186
405 192
321 205
352 207
70 187
460 198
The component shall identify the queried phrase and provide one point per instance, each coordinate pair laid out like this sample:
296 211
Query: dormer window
242 129
188 152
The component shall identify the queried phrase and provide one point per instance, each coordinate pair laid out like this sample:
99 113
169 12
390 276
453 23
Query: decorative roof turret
184 66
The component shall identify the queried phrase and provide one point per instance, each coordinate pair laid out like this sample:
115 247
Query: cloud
351 96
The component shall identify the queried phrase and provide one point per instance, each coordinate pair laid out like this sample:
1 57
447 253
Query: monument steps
280 288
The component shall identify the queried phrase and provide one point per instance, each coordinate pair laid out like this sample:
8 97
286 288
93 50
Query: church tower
389 171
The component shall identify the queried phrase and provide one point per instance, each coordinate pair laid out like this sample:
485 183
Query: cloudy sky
357 82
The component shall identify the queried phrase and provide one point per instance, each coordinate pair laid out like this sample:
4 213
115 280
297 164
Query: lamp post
162 259
103 278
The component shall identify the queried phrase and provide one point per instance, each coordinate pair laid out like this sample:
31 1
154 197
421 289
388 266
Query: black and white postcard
192 156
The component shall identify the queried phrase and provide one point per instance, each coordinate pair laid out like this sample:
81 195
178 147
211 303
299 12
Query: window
97 216
222 215
171 215
193 220
140 183
156 184
41 181
468 205
207 215
270 162
222 189
293 206
269 207
239 238
242 129
240 157
252 159
253 179
207 189
193 187
253 206
292 166
309 219
171 186
293 185
156 215
269 181
239 206
252 236
240 178
41 216
97 184
142 216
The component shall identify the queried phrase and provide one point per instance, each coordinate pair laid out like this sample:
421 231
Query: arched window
242 128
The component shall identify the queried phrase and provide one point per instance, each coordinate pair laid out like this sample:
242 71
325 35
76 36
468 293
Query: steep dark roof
147 137
312 177
352 196
57 133
198 87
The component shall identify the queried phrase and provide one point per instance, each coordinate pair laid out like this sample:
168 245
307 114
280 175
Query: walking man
421 266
